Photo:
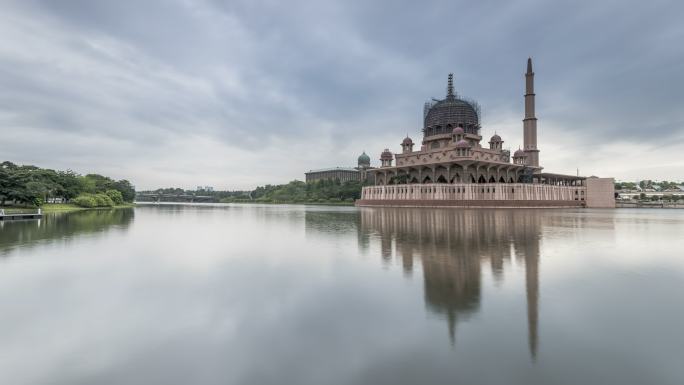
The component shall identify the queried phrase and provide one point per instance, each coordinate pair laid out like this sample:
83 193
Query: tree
115 196
28 184
126 189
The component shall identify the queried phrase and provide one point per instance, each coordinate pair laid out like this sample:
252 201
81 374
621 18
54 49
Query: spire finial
529 65
450 86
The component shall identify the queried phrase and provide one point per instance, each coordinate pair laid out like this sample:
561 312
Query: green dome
364 159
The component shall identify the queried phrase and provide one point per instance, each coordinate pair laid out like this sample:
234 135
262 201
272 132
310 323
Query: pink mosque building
452 168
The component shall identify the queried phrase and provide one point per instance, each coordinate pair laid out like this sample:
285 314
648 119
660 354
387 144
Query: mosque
452 168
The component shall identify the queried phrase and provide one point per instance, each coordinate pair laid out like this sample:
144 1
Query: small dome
519 154
407 140
463 143
386 155
458 130
364 158
495 138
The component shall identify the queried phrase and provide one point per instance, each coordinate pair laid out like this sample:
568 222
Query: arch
456 178
491 179
502 180
472 179
441 171
511 180
427 180
413 180
481 179
441 179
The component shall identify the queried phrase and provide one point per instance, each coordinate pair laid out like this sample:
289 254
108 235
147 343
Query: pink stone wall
468 203
600 192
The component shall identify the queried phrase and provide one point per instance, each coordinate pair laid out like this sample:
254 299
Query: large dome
452 112
449 113
364 159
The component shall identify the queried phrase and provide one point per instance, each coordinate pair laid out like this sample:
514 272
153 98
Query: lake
249 294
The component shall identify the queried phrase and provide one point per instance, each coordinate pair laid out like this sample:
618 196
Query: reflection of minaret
528 247
532 288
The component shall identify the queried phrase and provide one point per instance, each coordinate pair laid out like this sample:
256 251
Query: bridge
180 198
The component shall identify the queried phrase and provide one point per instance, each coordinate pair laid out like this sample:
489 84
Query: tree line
31 185
322 191
648 184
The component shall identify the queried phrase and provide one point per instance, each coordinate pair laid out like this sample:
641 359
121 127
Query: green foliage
650 184
625 186
85 200
94 200
115 196
323 191
31 185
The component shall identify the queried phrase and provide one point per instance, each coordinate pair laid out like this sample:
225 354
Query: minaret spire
530 120
450 86
529 66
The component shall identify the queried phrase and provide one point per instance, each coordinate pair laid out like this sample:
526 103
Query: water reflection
61 226
452 246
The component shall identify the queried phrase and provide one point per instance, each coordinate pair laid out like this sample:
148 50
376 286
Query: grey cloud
252 74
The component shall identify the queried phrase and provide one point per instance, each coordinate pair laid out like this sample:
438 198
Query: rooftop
333 169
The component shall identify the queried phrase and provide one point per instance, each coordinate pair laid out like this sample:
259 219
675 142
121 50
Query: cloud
271 89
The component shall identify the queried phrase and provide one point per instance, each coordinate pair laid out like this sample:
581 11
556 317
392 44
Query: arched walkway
455 179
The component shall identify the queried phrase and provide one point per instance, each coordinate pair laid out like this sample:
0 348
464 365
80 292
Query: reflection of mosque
452 246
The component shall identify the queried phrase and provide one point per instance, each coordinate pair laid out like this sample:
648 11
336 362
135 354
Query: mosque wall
474 195
600 192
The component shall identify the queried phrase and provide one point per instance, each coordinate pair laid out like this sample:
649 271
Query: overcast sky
235 94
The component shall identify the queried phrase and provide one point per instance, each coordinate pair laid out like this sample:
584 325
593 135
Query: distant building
343 174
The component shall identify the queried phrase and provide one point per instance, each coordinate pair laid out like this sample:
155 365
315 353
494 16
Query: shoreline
345 204
62 208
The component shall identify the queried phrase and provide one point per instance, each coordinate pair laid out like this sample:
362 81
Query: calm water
316 295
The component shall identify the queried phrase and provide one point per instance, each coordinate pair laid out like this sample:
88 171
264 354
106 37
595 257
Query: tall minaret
530 121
